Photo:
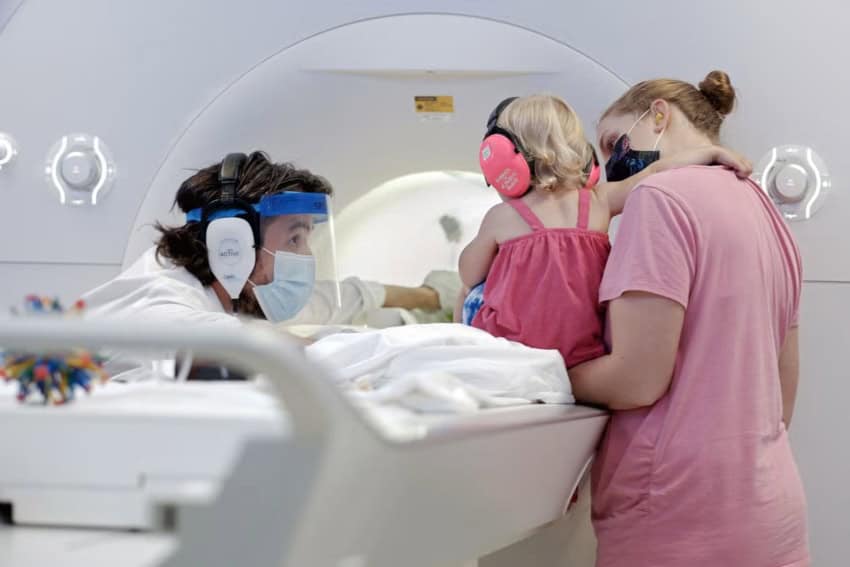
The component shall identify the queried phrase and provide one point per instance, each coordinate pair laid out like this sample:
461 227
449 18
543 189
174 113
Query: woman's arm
789 374
645 330
476 258
617 192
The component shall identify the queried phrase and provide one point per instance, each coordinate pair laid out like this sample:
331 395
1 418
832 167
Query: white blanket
441 368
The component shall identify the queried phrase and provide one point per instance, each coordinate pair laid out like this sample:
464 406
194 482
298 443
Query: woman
703 288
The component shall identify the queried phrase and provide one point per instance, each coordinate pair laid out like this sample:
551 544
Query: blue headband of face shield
285 203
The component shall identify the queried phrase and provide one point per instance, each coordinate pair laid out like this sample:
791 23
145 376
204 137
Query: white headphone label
228 251
230 248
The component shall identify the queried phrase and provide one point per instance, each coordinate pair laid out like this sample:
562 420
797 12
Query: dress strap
526 213
584 208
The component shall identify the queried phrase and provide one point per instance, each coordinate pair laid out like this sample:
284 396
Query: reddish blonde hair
705 106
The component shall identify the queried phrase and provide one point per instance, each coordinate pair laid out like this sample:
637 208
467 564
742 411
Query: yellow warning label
434 103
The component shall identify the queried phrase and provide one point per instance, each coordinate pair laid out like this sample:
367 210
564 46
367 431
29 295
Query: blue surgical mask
290 288
625 162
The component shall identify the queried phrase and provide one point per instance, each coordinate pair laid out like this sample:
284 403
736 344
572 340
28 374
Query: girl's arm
476 258
617 192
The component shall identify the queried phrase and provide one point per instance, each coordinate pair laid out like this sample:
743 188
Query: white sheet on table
442 368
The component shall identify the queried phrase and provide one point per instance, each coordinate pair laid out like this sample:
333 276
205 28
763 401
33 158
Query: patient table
229 474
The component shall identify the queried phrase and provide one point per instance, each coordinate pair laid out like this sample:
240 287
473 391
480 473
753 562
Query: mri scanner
105 107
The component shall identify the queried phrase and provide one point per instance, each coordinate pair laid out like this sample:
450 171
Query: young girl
543 251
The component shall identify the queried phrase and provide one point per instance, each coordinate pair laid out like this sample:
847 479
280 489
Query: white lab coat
156 290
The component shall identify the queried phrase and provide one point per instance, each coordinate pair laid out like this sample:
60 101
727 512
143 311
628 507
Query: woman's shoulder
679 178
691 184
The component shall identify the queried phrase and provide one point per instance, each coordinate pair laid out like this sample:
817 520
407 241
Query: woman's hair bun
718 89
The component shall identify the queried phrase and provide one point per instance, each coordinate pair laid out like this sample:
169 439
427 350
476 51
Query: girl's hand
708 155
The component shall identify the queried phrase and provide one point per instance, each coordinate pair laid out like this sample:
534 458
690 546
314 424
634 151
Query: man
174 282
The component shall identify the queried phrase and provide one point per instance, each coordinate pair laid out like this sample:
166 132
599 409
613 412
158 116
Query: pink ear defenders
504 161
502 158
595 171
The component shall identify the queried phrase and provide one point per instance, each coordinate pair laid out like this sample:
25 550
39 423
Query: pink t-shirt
705 477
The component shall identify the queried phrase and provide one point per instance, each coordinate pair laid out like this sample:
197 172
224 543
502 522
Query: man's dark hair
184 245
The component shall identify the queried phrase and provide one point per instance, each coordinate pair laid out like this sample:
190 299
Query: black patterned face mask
625 162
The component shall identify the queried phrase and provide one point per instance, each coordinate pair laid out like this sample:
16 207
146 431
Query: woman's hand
708 155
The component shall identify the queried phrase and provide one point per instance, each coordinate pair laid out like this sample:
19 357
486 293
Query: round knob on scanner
791 182
796 179
80 169
8 150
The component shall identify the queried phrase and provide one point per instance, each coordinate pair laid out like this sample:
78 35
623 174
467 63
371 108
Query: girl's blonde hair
552 135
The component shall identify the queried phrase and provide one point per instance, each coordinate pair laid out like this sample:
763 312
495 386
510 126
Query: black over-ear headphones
494 128
229 174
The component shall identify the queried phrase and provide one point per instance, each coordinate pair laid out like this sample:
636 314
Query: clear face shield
296 259
277 258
